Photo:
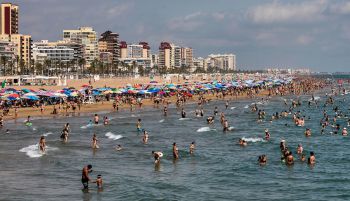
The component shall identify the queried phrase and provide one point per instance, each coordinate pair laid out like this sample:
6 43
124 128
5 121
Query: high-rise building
135 54
164 56
175 59
123 49
186 56
8 50
8 18
45 50
109 43
222 61
23 45
85 36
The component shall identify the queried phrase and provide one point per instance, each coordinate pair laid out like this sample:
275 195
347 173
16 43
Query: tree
22 65
3 62
141 70
82 63
39 68
47 65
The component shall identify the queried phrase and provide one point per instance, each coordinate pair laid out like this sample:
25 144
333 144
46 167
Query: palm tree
82 63
3 62
47 65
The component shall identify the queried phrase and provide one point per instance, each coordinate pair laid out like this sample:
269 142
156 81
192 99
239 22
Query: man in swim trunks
85 176
165 110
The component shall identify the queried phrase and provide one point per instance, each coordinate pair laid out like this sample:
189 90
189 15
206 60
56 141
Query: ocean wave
48 133
253 139
247 106
183 119
204 129
33 150
112 136
161 121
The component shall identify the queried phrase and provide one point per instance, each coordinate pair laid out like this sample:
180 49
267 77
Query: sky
262 33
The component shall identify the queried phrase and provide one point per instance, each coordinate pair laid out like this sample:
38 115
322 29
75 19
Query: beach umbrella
30 97
153 82
85 85
14 95
26 90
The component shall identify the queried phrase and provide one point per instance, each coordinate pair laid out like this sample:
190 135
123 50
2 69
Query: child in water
99 181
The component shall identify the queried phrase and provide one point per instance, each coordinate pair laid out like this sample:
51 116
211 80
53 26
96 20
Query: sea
219 169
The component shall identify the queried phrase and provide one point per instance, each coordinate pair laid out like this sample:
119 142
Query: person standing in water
94 142
165 110
42 144
96 119
175 151
85 176
192 147
145 137
138 125
312 158
226 128
226 105
183 113
157 155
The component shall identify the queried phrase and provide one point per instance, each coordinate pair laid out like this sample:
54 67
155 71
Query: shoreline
107 107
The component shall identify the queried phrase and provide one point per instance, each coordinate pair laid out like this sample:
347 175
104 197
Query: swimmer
307 132
96 119
216 111
175 151
210 119
299 149
28 119
267 134
226 105
105 121
262 160
290 159
94 142
312 158
156 156
118 147
42 144
303 158
344 132
242 142
145 137
192 147
99 181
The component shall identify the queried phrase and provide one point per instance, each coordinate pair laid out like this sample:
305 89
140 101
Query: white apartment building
87 37
222 61
51 51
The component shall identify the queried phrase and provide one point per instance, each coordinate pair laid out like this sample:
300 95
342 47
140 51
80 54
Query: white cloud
119 9
304 40
340 8
218 16
278 12
187 23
